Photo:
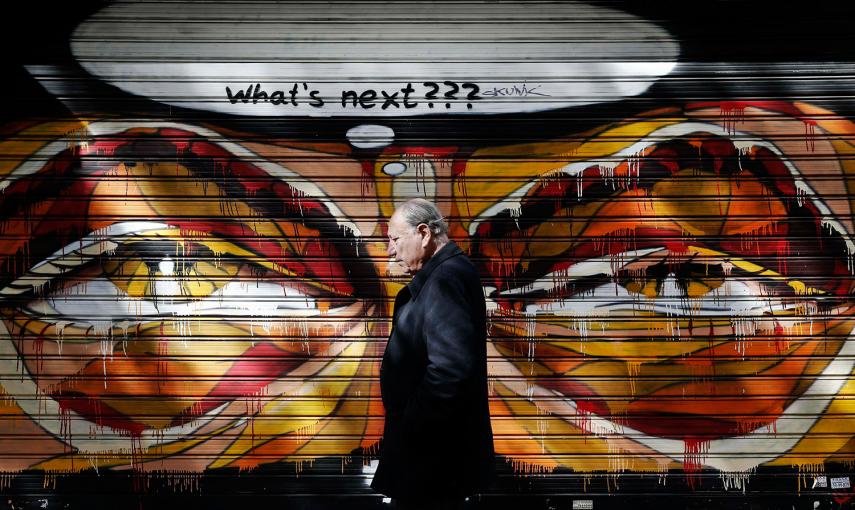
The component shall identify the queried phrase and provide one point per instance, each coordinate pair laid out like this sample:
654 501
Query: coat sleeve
449 340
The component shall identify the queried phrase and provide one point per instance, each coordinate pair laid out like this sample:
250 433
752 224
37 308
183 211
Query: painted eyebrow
105 240
741 140
589 267
78 253
36 162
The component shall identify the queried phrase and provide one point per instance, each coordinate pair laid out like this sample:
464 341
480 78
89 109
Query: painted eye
154 277
170 276
120 299
654 281
646 315
138 334
688 279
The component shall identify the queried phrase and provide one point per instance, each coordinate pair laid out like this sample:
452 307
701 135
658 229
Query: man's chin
398 268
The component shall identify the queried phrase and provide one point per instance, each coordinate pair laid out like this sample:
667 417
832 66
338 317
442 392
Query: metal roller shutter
196 293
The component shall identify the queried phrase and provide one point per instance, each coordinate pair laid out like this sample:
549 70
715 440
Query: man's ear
426 234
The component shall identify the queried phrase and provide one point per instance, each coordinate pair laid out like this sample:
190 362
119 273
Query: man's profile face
406 245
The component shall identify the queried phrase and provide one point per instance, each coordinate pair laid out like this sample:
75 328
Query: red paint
248 376
99 413
777 106
694 455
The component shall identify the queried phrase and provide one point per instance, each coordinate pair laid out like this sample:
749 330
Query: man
438 444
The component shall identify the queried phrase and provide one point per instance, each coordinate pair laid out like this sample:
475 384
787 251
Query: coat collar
446 252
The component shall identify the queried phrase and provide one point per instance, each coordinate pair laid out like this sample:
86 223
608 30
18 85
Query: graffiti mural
682 292
194 276
233 326
131 280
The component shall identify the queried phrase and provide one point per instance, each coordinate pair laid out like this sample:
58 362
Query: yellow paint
76 462
305 407
519 164
24 144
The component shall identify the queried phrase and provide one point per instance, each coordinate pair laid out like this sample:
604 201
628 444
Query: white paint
395 168
98 300
520 56
370 136
612 299
598 265
417 180
368 471
166 266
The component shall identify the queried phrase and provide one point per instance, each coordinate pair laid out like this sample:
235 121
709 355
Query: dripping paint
191 291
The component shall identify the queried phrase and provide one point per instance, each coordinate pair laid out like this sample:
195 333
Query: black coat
437 438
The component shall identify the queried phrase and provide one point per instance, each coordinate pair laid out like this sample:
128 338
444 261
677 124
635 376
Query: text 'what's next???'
435 94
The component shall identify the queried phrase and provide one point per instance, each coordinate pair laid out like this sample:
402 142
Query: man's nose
390 248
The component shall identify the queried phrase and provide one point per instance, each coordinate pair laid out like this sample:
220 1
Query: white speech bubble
370 136
372 59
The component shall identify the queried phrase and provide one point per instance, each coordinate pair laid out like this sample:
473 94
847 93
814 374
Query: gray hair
416 211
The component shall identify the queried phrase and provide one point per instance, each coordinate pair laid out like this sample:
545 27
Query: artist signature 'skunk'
516 90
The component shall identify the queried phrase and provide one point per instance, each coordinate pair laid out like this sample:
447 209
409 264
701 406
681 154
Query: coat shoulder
459 266
455 275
